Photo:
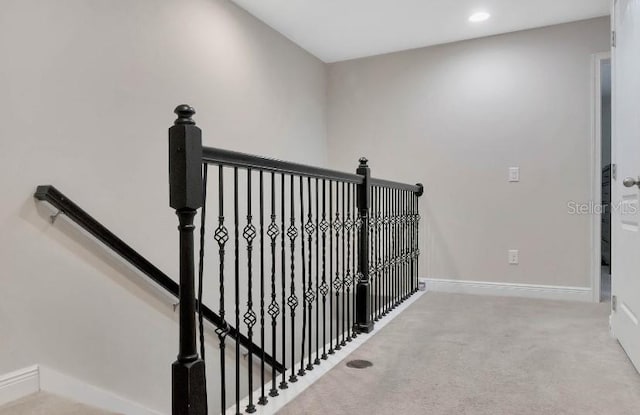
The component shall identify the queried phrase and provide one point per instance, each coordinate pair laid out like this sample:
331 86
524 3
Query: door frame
596 171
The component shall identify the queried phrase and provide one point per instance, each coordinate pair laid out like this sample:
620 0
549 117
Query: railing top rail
244 160
237 159
415 188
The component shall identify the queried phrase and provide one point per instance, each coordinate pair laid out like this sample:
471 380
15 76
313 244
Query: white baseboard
32 379
68 387
18 384
547 292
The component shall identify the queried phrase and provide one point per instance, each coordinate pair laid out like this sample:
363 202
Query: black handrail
57 199
237 159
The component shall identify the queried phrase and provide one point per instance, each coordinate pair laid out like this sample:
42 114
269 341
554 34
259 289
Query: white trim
548 292
68 387
595 168
32 379
287 395
18 384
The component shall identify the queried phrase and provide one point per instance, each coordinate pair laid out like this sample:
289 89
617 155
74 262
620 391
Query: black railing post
364 323
185 190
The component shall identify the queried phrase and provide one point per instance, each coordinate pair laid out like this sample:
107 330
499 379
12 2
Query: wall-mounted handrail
64 205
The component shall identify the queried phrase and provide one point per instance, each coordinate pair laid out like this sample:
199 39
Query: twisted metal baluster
221 235
283 275
292 301
249 317
317 359
337 225
324 289
203 222
348 225
309 296
273 309
263 399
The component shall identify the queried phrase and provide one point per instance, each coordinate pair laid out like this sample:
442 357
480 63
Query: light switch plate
514 257
514 174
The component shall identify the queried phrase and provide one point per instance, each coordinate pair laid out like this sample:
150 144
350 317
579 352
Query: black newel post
185 190
364 323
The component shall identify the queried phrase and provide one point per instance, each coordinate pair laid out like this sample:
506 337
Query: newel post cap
184 113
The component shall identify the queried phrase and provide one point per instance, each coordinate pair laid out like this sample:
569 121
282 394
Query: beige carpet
46 404
460 354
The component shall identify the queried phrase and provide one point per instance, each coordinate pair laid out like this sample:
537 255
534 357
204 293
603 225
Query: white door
626 191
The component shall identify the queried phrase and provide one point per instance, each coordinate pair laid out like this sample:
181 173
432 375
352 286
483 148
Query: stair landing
43 403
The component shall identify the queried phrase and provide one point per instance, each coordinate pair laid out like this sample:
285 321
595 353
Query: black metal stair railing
326 254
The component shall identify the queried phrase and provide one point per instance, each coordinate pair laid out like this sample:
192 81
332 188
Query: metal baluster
402 248
263 399
283 274
337 225
405 256
372 244
354 269
274 309
395 249
385 247
292 301
331 227
203 221
221 235
301 372
324 289
376 245
310 294
317 359
347 276
343 342
417 239
375 289
249 234
378 253
236 237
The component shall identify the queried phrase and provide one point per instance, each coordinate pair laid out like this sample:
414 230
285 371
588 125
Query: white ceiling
335 30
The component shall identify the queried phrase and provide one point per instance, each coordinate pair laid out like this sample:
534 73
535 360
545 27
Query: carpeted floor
46 404
461 354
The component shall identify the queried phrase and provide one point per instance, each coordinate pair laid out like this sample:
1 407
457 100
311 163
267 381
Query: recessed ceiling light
479 17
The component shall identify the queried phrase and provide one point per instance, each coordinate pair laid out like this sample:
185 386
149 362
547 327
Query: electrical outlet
514 255
514 174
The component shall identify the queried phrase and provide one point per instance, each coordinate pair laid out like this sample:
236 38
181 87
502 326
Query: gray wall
88 89
456 117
